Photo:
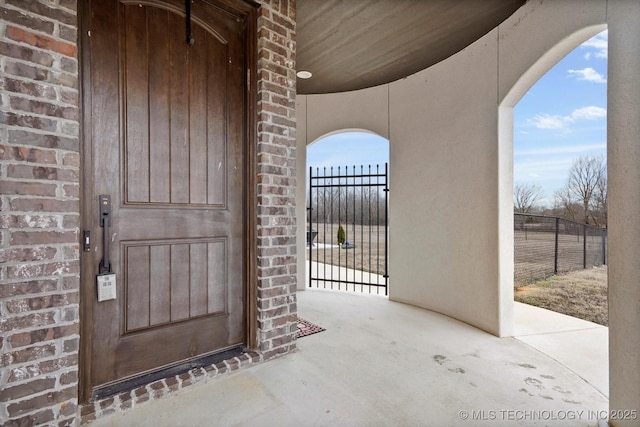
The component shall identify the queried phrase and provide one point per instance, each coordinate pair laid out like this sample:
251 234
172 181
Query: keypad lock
106 279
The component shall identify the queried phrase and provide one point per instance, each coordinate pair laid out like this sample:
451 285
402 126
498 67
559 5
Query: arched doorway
508 121
347 212
560 186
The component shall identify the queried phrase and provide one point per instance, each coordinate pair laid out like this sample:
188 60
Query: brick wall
277 280
39 212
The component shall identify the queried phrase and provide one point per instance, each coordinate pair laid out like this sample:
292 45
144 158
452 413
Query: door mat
307 328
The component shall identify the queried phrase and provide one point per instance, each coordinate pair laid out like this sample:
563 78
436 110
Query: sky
562 117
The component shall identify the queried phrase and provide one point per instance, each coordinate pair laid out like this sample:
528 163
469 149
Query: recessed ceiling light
304 74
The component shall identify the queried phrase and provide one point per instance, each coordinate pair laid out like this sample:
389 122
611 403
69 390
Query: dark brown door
166 137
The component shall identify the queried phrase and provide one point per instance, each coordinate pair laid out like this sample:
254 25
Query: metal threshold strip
171 371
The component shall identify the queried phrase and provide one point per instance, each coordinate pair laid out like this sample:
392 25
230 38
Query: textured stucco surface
451 159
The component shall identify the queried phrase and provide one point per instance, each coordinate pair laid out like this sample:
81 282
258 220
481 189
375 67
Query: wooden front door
166 139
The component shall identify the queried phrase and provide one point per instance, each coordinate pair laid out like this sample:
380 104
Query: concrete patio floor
381 363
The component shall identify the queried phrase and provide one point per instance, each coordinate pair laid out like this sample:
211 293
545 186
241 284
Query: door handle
105 221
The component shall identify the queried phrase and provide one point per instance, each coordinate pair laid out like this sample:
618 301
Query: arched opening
348 148
347 212
560 186
542 139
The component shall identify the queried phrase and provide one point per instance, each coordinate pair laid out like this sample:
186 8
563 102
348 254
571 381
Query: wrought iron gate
347 228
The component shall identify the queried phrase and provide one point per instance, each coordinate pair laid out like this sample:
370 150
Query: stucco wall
451 135
444 253
623 158
451 155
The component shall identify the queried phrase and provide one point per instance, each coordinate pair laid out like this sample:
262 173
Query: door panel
167 142
173 281
174 96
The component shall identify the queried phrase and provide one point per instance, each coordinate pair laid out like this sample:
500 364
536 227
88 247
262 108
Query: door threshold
129 384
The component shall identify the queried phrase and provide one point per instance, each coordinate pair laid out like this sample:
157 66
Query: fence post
309 233
584 246
604 246
386 228
555 252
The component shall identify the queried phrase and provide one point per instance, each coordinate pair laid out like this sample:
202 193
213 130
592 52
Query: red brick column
277 279
39 212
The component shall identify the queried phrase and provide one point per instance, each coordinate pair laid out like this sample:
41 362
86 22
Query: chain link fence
548 245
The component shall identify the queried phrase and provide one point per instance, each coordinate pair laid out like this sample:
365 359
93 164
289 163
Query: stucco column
623 140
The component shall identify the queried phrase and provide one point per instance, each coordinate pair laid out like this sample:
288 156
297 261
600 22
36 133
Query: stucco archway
505 141
460 262
347 155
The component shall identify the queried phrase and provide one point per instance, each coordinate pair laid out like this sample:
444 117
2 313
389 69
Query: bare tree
585 174
526 196
599 205
565 206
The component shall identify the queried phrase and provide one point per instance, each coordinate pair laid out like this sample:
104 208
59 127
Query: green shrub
342 236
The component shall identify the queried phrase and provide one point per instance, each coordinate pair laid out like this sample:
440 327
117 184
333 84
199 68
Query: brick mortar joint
55 373
29 196
40 278
44 262
40 295
55 35
42 133
28 80
58 166
55 408
272 114
45 116
275 12
44 17
38 33
36 229
56 56
40 180
58 312
277 59
57 90
50 375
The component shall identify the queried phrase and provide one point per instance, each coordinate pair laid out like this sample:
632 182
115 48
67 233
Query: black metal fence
347 228
548 245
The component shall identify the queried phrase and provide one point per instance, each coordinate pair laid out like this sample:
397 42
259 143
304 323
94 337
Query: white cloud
548 121
588 113
600 44
589 75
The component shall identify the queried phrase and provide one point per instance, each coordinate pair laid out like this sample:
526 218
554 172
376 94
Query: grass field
581 294
576 292
366 250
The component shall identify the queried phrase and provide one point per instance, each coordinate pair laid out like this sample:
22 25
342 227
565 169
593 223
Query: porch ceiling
354 44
